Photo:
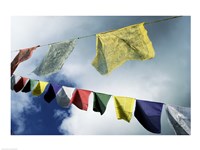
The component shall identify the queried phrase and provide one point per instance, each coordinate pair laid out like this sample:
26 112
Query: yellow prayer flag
39 89
124 107
115 47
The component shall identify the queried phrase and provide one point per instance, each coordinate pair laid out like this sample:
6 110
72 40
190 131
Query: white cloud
21 103
90 122
60 114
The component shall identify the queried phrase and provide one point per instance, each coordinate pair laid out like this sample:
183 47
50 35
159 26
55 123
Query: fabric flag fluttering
149 115
14 80
80 98
100 102
64 96
124 107
23 55
118 46
39 89
55 58
179 117
51 92
30 85
20 84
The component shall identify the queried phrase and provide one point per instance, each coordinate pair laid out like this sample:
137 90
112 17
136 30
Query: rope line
161 20
86 36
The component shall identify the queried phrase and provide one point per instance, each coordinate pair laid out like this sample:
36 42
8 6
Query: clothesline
86 36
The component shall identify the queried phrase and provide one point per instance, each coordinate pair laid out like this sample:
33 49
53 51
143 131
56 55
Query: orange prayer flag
23 55
80 98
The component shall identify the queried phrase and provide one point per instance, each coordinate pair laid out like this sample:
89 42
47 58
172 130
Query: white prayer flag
55 58
64 95
179 117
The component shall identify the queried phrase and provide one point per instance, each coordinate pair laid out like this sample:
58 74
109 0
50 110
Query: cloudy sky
166 78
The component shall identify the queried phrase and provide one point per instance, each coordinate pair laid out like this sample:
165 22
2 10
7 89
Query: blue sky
166 78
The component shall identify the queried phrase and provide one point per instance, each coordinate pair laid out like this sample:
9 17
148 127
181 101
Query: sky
166 78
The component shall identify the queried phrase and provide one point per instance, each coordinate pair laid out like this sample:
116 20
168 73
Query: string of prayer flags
51 92
39 89
30 85
20 84
124 107
64 96
80 98
14 80
115 47
23 55
55 58
100 102
179 117
149 115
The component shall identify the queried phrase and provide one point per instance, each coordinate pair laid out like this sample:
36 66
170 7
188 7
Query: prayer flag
23 55
113 48
20 84
14 80
80 99
39 89
64 96
149 115
179 117
55 58
100 102
51 92
30 85
124 107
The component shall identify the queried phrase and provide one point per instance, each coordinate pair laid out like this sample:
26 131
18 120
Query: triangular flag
23 55
115 47
39 89
51 92
179 117
20 84
30 85
14 80
80 99
100 102
64 95
124 107
149 115
55 58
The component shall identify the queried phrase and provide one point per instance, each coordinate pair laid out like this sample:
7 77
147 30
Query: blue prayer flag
149 114
51 92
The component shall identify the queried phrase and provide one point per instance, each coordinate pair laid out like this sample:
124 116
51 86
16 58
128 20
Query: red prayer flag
23 55
20 84
80 99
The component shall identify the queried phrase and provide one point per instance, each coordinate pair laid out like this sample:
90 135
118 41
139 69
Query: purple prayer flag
148 113
51 92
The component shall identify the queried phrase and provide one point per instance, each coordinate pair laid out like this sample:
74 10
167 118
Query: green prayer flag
33 83
100 102
30 85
